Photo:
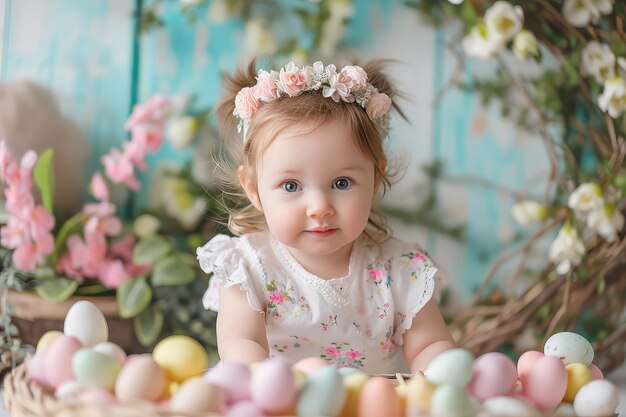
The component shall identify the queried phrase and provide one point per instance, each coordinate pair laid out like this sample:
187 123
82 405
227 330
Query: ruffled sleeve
231 262
416 282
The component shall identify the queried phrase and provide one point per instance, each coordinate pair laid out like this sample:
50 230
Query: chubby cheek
282 221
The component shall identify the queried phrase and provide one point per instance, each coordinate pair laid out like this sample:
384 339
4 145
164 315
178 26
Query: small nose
319 206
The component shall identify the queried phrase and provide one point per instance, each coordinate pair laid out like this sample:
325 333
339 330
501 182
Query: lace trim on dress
428 276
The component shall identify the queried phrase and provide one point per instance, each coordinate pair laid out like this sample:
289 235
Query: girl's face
315 188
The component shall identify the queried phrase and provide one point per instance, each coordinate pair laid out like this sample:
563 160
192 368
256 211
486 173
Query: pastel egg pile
80 365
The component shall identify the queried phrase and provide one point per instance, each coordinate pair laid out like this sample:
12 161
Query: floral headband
349 85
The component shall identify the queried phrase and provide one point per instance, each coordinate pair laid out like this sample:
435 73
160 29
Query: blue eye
290 186
342 184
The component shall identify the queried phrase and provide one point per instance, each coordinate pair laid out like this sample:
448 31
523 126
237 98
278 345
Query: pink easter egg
525 362
310 364
273 385
244 409
96 396
596 373
58 365
36 370
493 374
546 382
233 378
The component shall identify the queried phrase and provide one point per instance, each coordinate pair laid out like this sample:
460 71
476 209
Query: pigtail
377 76
243 77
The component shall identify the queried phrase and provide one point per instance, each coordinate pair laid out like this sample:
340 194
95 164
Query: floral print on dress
381 276
343 356
296 344
282 300
382 311
332 321
414 259
388 345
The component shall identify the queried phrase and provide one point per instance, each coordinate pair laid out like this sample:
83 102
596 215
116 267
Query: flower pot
33 316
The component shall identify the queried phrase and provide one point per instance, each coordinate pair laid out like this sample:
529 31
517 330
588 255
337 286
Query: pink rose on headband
265 89
245 103
340 87
358 76
378 105
292 80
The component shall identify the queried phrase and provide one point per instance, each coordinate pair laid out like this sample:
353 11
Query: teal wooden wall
89 55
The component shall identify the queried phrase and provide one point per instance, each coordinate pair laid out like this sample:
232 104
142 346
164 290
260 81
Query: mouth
321 232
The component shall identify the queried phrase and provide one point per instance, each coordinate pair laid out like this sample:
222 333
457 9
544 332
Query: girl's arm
427 337
240 329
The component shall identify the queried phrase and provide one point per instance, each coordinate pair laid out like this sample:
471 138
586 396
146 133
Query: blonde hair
271 118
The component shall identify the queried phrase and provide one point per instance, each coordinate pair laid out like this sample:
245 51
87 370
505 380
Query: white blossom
566 250
179 204
504 20
598 61
613 98
586 198
525 45
621 66
259 39
580 12
608 221
181 130
527 212
146 225
479 43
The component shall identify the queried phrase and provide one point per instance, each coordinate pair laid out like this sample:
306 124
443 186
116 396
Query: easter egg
564 410
598 398
96 396
324 394
596 373
86 322
493 375
451 400
140 379
47 338
111 349
525 362
69 390
419 394
198 396
181 357
578 374
94 369
451 367
233 378
58 364
272 386
310 364
353 383
36 370
509 407
546 382
379 398
570 347
244 409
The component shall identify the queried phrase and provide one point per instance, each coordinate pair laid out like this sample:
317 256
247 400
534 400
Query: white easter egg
570 347
86 322
564 410
510 407
451 367
597 398
451 400
113 350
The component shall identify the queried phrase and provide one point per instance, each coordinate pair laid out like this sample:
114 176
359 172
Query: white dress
354 321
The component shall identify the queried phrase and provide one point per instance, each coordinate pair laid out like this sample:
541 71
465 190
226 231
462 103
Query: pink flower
381 316
419 256
292 80
25 257
155 107
357 75
99 187
377 274
378 105
113 273
148 137
5 159
332 352
123 248
119 168
265 89
340 85
245 103
276 297
353 354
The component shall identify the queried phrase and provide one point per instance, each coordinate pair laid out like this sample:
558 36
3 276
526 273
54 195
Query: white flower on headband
349 85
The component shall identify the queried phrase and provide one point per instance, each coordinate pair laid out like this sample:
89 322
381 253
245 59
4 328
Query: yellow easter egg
47 338
301 378
170 389
354 384
401 391
578 374
418 395
181 357
254 366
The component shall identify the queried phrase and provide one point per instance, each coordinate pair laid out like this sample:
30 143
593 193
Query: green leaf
148 325
152 249
57 290
601 286
178 269
72 225
92 289
133 296
44 178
